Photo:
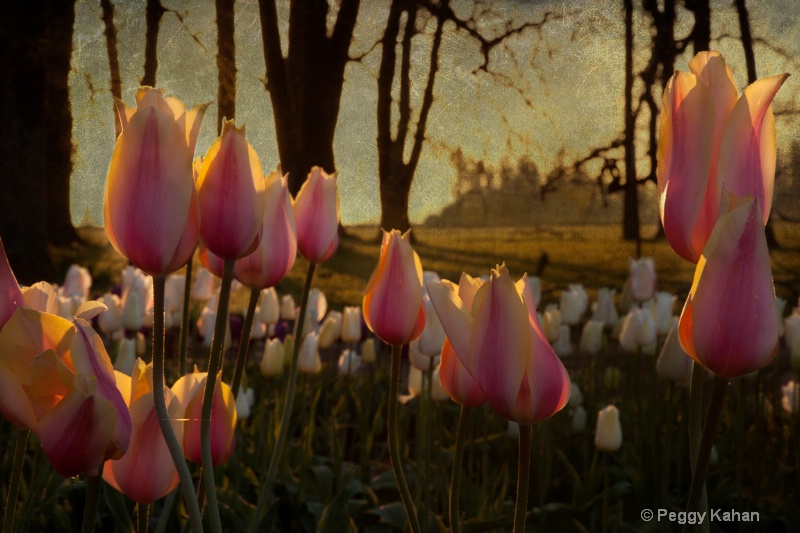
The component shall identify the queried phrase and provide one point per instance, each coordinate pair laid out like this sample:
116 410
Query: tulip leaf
336 516
393 514
117 506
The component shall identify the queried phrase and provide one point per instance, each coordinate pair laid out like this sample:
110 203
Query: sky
568 95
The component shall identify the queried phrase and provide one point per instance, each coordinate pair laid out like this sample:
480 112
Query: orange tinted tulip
728 323
392 305
10 295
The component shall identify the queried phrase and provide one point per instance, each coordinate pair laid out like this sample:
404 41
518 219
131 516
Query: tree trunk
113 59
630 219
226 63
305 87
701 34
153 13
36 137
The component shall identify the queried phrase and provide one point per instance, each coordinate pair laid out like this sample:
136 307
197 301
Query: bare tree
153 13
226 62
113 58
35 141
305 86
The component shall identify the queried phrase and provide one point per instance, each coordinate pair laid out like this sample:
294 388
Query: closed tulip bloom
331 329
175 286
392 305
673 362
276 252
710 141
349 362
604 309
643 278
151 208
272 359
563 346
368 354
608 433
551 323
231 194
351 324
316 211
501 344
592 337
574 303
110 321
132 311
309 361
638 331
189 391
288 307
318 303
77 282
126 356
660 308
456 381
418 359
146 472
10 294
269 308
732 332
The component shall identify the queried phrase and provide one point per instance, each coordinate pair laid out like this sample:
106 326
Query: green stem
523 476
244 342
92 500
458 459
272 470
214 360
16 476
704 454
394 444
696 425
605 493
169 502
183 342
142 518
175 449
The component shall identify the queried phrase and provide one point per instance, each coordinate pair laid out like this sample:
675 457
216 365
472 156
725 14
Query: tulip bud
276 252
643 278
174 289
272 359
316 211
203 286
269 306
608 434
392 305
132 311
552 323
674 363
126 356
592 337
244 403
604 309
349 362
563 346
574 303
418 359
231 195
77 282
368 355
638 331
331 330
309 361
351 324
189 391
288 309
111 320
432 337
660 308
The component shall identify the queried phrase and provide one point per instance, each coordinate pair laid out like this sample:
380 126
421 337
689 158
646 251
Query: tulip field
223 356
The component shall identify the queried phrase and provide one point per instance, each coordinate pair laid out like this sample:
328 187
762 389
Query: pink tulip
10 295
728 323
146 472
316 210
276 252
711 142
501 344
392 305
151 209
189 390
231 193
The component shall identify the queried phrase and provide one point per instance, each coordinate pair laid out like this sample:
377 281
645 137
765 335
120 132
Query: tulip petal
10 294
14 403
731 311
500 341
42 297
455 379
684 159
90 309
27 334
77 431
747 155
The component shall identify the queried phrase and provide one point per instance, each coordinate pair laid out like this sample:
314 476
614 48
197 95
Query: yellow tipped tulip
316 210
392 305
151 210
231 193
